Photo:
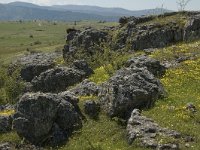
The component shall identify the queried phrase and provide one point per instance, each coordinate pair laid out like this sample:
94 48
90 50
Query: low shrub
11 86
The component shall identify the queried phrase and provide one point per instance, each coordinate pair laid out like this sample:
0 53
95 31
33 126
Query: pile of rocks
147 132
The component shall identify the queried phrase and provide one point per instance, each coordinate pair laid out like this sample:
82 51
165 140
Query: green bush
10 86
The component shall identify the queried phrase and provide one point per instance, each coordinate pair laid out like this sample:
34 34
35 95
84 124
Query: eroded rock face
140 33
146 131
152 65
130 88
57 79
45 118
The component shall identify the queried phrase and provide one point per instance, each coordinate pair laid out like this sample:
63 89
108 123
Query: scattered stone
168 147
45 118
130 88
187 145
146 130
182 58
191 107
188 138
92 108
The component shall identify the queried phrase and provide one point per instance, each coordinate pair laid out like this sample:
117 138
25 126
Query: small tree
182 4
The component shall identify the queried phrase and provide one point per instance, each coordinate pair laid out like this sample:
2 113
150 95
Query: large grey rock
153 66
146 131
130 88
57 79
34 64
45 118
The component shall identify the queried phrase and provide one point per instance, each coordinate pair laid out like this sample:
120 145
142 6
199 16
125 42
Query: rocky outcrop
34 64
45 118
144 33
157 37
152 65
88 40
60 78
130 88
86 88
147 131
153 35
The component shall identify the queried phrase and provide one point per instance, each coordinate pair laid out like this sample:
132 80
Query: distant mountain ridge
29 11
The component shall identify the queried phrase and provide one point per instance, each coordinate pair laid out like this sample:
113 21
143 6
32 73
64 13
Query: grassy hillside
181 82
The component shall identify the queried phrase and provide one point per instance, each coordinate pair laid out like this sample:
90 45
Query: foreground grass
101 134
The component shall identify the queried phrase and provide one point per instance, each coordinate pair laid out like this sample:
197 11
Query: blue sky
128 4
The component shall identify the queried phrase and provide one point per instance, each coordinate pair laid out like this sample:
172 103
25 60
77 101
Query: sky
127 4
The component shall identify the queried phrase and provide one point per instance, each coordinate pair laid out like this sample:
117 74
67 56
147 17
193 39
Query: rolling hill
29 11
